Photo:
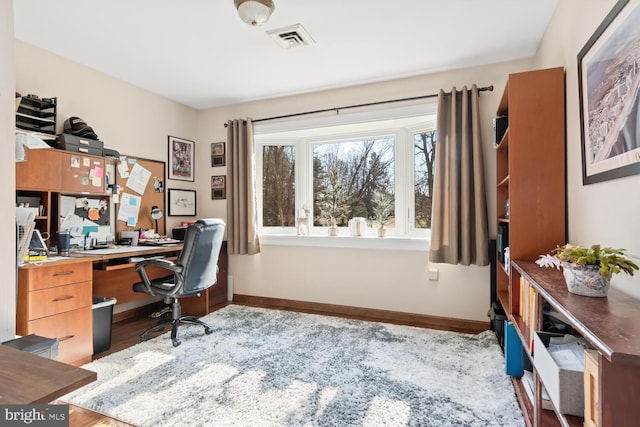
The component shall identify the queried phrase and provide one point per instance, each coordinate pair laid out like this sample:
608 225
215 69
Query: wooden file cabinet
54 301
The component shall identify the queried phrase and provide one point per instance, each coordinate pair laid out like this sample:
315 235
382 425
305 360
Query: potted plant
588 271
382 209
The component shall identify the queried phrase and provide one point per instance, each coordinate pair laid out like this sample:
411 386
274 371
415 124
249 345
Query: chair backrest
199 256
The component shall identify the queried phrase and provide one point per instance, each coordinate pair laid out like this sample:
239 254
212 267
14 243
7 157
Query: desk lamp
156 214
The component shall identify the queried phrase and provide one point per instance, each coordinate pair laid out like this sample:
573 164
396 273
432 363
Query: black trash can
102 310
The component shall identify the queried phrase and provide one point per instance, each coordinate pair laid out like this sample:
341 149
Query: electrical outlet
433 274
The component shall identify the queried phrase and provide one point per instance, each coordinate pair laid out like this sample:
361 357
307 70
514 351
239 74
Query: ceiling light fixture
254 12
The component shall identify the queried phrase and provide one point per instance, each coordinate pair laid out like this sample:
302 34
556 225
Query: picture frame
181 159
218 154
181 202
218 187
609 96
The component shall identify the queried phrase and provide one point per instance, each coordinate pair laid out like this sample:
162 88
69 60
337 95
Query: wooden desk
114 275
29 379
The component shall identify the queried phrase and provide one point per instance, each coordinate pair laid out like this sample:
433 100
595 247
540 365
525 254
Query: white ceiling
199 52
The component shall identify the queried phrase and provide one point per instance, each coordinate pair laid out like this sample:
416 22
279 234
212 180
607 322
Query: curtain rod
369 104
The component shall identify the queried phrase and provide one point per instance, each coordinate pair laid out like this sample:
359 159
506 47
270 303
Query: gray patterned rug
277 368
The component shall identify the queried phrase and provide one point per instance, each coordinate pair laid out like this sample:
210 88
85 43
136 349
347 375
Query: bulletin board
141 185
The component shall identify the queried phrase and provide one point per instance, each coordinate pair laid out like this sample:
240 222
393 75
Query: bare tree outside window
346 175
380 169
278 186
424 157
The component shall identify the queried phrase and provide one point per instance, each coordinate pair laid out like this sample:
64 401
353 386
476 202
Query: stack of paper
568 352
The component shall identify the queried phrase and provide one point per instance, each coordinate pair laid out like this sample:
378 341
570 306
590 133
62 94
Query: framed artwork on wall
217 154
181 159
218 187
609 92
182 202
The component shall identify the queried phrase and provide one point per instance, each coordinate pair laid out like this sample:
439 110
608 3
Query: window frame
293 133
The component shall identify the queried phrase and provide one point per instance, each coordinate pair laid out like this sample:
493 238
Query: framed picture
217 154
181 159
182 202
218 187
609 88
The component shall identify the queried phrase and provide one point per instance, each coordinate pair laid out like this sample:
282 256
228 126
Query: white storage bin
565 387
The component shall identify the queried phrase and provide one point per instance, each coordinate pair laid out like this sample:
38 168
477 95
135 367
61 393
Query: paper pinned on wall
123 169
138 178
129 208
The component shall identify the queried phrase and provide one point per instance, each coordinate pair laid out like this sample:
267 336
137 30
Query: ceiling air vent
293 36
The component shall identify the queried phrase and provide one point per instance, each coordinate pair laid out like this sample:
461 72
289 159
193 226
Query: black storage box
178 233
497 316
77 144
500 125
102 311
41 346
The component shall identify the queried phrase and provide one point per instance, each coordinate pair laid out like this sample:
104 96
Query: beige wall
125 117
381 279
137 123
7 174
606 212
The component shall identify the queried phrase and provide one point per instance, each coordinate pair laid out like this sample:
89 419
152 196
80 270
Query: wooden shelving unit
530 171
530 175
610 326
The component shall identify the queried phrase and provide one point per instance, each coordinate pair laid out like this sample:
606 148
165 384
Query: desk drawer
52 275
73 330
50 301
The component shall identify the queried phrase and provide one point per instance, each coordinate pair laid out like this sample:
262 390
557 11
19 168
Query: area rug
264 367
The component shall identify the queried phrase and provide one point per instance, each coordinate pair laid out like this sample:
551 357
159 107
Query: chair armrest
162 263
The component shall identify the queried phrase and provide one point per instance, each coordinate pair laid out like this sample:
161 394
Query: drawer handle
83 141
68 337
64 298
83 150
64 273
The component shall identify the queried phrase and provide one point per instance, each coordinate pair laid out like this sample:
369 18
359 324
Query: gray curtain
459 213
242 216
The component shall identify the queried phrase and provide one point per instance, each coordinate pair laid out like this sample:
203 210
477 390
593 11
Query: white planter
585 280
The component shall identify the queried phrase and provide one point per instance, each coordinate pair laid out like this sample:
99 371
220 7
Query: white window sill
365 242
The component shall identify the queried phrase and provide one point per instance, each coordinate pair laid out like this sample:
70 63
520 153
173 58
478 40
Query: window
278 186
347 175
335 172
423 158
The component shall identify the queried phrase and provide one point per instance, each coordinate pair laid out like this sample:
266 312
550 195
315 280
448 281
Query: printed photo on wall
218 187
217 154
181 161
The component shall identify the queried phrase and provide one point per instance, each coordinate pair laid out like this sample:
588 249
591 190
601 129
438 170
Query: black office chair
195 270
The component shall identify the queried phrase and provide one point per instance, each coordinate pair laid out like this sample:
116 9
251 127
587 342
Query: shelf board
503 297
523 400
